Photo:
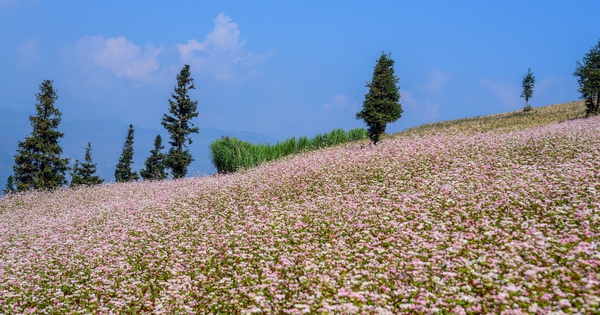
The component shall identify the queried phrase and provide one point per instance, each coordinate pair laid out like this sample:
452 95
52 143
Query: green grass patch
230 154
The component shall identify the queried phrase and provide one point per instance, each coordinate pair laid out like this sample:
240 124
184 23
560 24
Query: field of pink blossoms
461 223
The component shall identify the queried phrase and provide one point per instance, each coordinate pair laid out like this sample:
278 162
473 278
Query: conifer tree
528 82
10 186
382 103
155 164
123 171
83 173
38 164
588 77
178 123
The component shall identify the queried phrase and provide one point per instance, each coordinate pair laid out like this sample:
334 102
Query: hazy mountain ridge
107 136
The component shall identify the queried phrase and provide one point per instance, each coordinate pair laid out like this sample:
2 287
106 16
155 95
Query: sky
290 68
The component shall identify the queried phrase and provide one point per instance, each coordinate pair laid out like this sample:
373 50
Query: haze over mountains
107 136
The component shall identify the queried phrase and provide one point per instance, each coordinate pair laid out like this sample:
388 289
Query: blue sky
285 68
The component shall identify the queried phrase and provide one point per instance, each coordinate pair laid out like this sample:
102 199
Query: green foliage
528 82
588 78
38 164
182 109
226 154
155 164
83 173
382 103
123 171
10 186
230 154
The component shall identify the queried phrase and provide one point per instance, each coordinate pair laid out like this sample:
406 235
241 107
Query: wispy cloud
552 85
421 110
28 53
222 53
507 93
436 81
343 104
7 4
122 57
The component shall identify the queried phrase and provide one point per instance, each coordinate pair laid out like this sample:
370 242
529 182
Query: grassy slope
539 116
443 222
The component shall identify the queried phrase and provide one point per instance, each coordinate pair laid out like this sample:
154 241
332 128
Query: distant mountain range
107 136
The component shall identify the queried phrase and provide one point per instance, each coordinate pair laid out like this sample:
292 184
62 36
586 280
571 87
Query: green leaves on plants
230 154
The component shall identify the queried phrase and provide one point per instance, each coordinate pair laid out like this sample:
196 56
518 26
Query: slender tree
10 186
528 82
588 77
178 123
382 103
155 164
83 173
38 164
123 171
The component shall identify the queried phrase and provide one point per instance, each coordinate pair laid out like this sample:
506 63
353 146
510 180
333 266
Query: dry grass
510 121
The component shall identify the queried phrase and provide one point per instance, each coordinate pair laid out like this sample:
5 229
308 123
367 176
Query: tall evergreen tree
83 173
588 77
382 103
123 171
38 164
528 82
178 123
155 164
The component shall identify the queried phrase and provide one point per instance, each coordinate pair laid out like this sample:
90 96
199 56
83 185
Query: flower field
448 223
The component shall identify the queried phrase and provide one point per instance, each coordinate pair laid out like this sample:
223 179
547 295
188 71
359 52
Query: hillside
517 120
470 217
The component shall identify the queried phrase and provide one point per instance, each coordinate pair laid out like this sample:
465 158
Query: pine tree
123 171
382 103
38 164
528 82
155 164
83 173
182 109
10 186
588 77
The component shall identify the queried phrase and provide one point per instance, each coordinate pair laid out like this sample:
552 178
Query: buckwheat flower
564 303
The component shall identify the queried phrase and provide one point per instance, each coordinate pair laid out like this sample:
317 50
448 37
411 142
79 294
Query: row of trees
382 103
38 161
588 78
38 164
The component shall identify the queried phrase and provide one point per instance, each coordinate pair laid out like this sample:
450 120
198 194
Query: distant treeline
230 154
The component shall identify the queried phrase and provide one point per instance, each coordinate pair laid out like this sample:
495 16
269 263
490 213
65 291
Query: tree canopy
588 78
382 103
123 171
178 123
528 82
38 164
155 163
83 173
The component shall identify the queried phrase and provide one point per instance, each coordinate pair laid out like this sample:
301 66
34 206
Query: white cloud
436 81
507 93
122 57
28 53
222 53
